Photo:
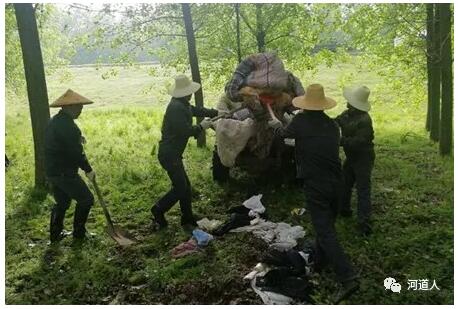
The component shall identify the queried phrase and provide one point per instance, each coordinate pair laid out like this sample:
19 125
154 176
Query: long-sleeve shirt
177 127
64 152
357 132
317 139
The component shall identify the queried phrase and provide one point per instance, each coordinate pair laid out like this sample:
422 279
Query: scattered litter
254 204
106 299
236 220
271 298
139 287
248 214
283 277
298 211
284 282
185 248
208 225
299 262
202 237
280 236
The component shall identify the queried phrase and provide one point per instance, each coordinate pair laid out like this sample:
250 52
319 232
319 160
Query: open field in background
412 196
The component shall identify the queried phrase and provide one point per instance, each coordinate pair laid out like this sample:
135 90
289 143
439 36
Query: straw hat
183 87
358 97
314 99
70 97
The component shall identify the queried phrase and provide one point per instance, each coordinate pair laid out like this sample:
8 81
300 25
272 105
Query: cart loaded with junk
260 90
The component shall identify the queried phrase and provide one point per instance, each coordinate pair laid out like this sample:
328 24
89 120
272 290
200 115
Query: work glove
206 123
275 124
91 175
288 117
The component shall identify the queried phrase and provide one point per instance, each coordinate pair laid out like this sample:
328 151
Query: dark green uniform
64 155
177 128
357 142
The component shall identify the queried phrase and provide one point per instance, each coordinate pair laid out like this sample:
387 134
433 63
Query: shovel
121 236
230 113
267 101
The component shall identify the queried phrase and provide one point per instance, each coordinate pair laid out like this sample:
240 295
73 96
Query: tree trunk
446 128
237 16
36 83
435 78
429 47
260 32
194 62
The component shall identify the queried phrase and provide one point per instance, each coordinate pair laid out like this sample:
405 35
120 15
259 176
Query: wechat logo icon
391 284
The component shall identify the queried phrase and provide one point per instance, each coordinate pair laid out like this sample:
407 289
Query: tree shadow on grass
31 203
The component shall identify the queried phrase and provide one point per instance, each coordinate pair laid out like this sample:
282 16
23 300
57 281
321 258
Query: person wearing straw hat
357 141
177 128
317 140
64 155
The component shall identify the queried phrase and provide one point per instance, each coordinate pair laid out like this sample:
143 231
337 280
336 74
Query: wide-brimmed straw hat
70 97
183 87
358 97
314 99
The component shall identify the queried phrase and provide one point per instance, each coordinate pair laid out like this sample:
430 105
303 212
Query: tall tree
194 62
445 142
429 51
36 83
435 78
237 30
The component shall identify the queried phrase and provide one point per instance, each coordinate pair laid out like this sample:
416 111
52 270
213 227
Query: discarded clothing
285 274
270 298
202 237
254 204
297 261
208 225
280 236
236 220
243 215
283 281
186 248
232 137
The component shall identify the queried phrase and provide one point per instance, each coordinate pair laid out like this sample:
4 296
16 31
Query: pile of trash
282 275
266 92
196 243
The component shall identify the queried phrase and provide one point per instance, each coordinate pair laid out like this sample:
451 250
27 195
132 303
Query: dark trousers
180 191
322 201
358 169
66 189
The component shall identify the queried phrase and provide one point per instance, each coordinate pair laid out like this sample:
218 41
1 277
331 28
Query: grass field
412 197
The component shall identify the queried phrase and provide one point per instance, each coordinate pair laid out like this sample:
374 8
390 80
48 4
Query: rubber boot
159 221
79 221
56 225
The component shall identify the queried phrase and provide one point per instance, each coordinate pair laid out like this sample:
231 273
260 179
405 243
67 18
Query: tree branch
245 20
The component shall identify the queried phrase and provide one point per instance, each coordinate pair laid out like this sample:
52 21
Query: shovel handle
230 113
104 207
271 112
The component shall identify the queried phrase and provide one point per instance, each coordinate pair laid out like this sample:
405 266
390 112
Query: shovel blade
122 237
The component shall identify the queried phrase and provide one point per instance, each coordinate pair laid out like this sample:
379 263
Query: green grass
412 196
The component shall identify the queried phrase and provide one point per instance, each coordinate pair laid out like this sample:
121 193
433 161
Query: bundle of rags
282 277
248 128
